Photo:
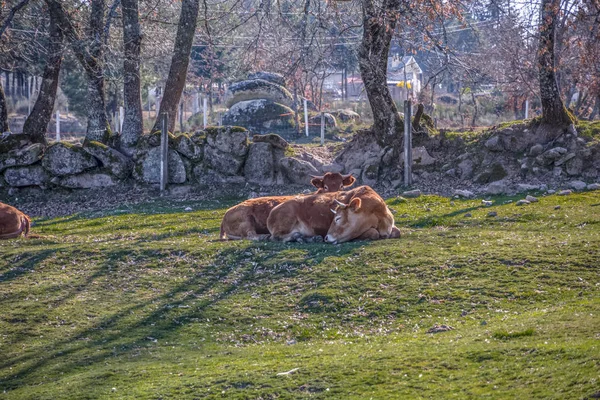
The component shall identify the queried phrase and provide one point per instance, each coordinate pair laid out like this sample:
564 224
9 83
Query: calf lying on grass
361 214
248 220
13 223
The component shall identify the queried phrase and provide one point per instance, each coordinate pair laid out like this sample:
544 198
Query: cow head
349 222
332 182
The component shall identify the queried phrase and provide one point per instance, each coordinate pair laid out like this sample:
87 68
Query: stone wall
214 156
499 161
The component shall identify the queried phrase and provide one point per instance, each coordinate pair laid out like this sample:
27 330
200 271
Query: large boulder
226 149
9 142
346 115
268 76
421 157
256 89
63 159
275 140
33 175
330 121
297 171
117 163
362 152
21 156
147 167
231 140
260 116
88 180
260 165
494 172
189 146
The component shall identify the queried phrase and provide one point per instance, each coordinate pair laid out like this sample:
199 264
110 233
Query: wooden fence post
407 143
164 153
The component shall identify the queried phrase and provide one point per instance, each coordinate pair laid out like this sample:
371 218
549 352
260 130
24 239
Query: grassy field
145 303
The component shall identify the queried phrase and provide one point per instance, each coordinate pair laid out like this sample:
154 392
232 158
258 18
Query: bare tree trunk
179 63
90 54
3 112
379 23
36 124
133 121
553 110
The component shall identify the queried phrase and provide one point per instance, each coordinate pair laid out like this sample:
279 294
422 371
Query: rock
370 172
564 192
268 76
147 168
191 149
421 156
492 214
467 215
451 172
412 194
550 156
26 176
494 172
524 187
522 203
557 171
531 199
551 191
117 163
439 328
260 164
275 140
333 167
494 144
487 203
297 171
208 176
564 159
466 169
464 193
574 166
557 207
226 150
230 140
593 186
10 142
259 89
536 150
346 115
362 152
260 116
63 159
577 185
87 181
23 156
330 121
498 187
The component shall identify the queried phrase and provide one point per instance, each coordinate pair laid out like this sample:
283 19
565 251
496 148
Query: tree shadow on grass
218 278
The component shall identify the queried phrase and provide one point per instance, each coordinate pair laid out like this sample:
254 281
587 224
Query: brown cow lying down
13 222
248 220
361 214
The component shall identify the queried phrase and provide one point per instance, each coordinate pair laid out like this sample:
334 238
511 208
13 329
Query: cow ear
348 180
317 182
355 204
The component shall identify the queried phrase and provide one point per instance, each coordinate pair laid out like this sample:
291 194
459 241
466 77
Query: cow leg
258 236
371 234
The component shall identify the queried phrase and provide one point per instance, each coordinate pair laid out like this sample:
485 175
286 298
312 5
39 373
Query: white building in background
404 77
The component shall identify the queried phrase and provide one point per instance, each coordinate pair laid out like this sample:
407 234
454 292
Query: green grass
144 303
